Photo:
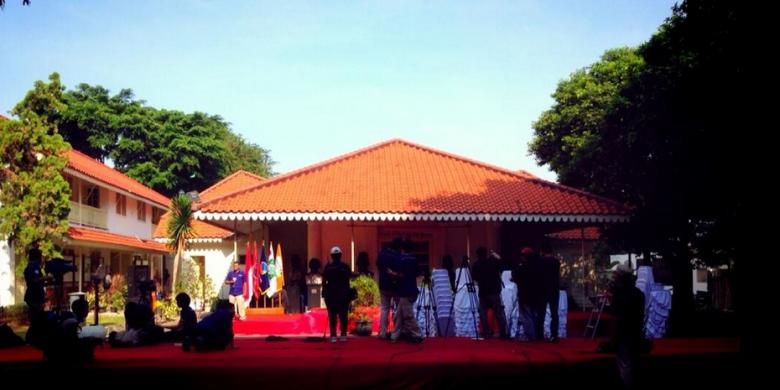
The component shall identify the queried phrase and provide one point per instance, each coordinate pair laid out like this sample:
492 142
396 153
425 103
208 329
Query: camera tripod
471 296
425 303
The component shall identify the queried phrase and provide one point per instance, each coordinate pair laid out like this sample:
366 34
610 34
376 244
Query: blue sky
311 80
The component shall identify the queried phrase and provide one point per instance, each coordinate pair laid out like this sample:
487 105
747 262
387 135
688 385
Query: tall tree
179 231
168 150
34 196
659 139
248 156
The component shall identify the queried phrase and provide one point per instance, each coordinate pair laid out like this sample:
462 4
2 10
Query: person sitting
140 328
215 331
93 333
63 346
185 328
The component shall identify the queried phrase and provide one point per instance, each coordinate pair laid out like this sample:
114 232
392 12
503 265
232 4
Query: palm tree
179 230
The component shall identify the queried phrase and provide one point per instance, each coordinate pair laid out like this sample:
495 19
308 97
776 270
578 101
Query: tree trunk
175 270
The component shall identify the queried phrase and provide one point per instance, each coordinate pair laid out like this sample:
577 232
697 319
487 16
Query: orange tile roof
523 172
86 165
591 234
201 229
238 180
397 176
82 234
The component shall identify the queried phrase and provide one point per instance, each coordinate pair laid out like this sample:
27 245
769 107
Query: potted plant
365 307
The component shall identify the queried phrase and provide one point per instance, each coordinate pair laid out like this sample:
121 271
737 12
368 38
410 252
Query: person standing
235 278
34 278
487 274
335 290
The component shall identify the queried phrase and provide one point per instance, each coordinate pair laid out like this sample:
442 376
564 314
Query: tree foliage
179 230
34 196
655 127
168 150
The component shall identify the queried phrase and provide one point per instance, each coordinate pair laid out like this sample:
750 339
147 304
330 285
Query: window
91 196
156 215
141 211
121 204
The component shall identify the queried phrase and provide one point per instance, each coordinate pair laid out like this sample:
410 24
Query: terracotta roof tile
88 166
237 181
201 229
103 237
401 177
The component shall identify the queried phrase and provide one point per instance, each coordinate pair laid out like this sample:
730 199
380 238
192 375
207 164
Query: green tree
167 150
663 141
34 196
179 231
248 156
570 136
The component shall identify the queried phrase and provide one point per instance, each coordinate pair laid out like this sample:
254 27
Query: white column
352 245
235 241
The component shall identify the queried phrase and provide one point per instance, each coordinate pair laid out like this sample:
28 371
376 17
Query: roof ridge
227 178
102 165
305 169
337 159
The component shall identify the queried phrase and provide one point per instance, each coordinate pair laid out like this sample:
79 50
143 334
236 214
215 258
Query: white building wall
218 257
7 274
127 225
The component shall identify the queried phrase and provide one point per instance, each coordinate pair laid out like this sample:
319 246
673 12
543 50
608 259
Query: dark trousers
493 302
552 300
340 312
541 311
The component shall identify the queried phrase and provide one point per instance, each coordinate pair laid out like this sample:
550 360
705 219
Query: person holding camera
487 274
388 282
405 323
235 279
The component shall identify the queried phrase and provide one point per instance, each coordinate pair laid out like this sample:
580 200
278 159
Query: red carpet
314 322
368 362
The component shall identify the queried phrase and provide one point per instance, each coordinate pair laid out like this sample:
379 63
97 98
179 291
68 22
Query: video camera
101 276
58 267
147 286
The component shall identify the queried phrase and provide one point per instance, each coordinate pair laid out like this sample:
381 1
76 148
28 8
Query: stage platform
367 362
315 322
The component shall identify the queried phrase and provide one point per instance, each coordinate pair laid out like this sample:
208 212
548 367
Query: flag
249 271
279 267
271 271
257 272
264 282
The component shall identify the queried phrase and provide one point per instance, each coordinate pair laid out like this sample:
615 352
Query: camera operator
487 274
35 296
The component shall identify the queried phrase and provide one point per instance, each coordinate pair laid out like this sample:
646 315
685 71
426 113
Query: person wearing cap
335 290
487 273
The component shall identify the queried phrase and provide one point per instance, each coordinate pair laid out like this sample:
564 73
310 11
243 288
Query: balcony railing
88 216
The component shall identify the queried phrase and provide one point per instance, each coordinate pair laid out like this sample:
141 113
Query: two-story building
112 218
